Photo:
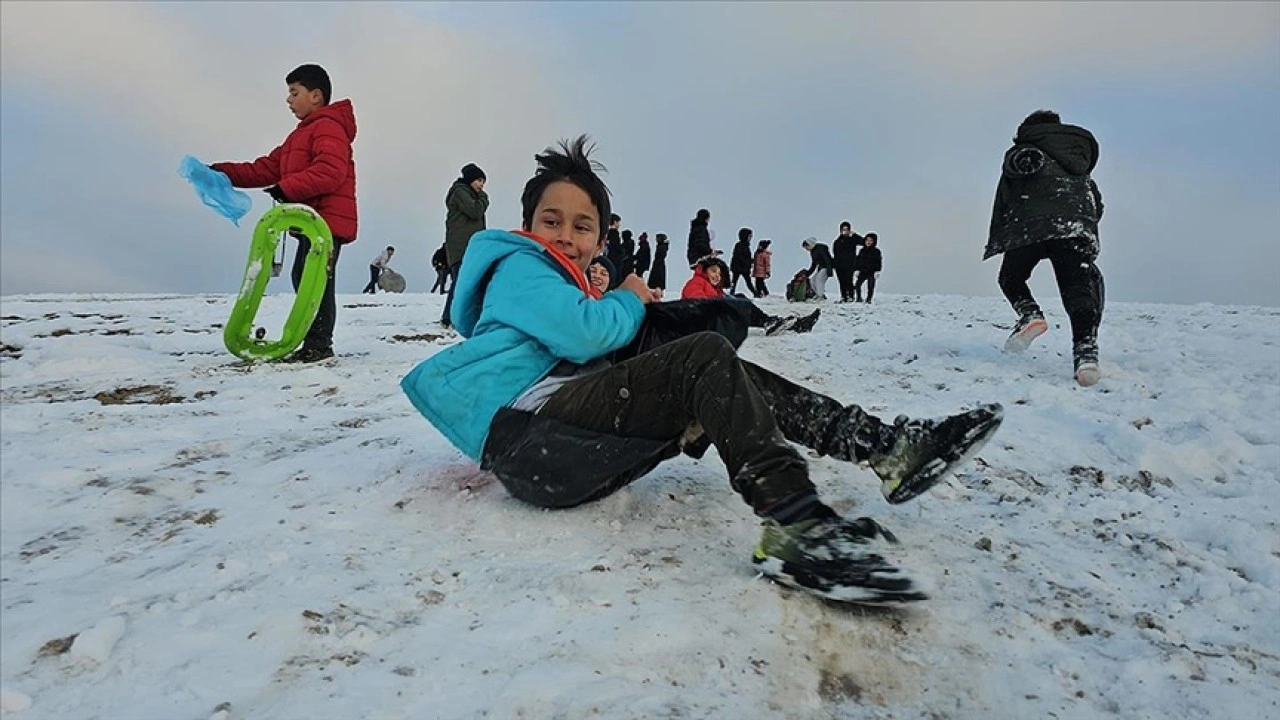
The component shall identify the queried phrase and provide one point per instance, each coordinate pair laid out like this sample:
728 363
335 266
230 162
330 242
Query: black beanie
472 172
744 234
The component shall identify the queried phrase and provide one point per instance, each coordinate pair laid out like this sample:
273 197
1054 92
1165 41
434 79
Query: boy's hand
276 194
637 286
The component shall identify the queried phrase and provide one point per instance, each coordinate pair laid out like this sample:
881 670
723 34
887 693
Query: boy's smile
566 218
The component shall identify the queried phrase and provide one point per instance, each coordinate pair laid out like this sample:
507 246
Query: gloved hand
276 194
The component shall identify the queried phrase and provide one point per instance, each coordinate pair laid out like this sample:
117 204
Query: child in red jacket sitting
314 166
711 275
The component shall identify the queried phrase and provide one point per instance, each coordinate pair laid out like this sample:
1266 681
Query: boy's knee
710 345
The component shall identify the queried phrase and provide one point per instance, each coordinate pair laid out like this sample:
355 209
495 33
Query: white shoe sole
1020 342
1088 374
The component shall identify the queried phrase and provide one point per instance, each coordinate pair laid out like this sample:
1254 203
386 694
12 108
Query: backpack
799 289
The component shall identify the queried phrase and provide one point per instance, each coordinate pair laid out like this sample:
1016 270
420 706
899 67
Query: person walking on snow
1047 206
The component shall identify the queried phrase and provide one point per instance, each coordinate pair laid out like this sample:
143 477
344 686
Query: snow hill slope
182 537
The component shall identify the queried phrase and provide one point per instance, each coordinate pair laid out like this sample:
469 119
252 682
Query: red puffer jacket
700 287
314 166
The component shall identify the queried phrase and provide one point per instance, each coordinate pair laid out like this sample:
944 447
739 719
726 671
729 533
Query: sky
785 118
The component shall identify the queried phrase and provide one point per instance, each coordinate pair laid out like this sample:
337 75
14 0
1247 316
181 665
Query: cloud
171 80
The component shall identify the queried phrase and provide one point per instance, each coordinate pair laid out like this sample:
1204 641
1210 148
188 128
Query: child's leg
699 378
819 422
857 286
871 285
1080 286
1015 270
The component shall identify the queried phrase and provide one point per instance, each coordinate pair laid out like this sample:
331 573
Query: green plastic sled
239 335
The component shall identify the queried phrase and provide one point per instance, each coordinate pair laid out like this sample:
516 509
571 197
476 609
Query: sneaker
310 355
836 559
924 451
1030 326
806 323
1085 354
778 325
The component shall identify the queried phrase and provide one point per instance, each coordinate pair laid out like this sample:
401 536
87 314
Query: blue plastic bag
214 190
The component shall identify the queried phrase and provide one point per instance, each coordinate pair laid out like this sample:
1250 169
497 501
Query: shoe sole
1088 374
775 570
937 469
1020 342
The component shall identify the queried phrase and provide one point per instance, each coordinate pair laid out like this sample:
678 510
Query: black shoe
924 451
836 559
310 355
806 323
778 324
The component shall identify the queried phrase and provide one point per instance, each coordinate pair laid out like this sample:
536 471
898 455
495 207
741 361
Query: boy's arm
257 174
525 294
330 164
469 202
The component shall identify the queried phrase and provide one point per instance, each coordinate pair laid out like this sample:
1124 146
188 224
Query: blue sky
786 118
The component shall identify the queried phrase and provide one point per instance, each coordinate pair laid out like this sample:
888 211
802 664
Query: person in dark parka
699 238
644 254
868 266
741 262
844 251
1047 206
658 274
466 203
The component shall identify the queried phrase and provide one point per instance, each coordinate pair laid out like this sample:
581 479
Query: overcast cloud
786 118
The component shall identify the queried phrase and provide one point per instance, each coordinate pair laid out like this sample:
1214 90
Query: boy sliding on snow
531 394
313 166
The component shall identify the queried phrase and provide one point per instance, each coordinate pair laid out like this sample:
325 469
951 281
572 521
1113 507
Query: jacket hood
340 112
1071 146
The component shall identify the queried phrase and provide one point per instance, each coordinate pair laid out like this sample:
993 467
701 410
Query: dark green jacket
465 218
1045 191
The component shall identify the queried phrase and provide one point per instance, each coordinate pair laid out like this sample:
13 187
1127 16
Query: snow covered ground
182 537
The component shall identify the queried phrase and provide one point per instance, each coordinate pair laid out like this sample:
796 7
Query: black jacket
658 275
1045 191
821 258
869 260
741 261
699 242
643 257
845 251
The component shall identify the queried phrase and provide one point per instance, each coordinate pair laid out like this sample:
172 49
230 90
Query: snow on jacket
700 287
314 165
1045 190
522 307
763 265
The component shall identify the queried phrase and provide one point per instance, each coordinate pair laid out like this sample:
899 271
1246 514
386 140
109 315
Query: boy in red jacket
314 166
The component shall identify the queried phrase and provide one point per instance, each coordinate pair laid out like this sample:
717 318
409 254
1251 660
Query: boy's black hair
1042 117
744 234
703 215
660 237
846 224
311 77
626 234
872 236
391 248
614 217
570 163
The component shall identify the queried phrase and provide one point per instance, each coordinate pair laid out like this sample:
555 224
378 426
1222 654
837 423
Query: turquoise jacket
522 312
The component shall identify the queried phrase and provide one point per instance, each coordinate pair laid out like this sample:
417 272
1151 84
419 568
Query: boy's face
713 275
566 218
302 102
599 276
845 230
868 242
